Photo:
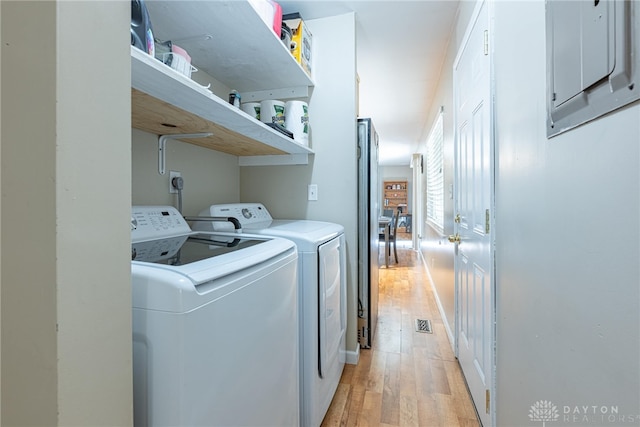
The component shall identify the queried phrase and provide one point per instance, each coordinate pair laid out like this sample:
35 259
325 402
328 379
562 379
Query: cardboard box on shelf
301 40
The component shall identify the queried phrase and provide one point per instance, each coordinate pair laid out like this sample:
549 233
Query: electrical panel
593 60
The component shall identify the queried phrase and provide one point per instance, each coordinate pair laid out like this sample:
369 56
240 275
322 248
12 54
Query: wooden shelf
394 194
165 102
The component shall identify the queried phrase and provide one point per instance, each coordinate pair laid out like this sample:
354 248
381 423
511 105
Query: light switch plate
312 191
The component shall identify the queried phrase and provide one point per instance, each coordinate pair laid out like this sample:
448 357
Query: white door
473 210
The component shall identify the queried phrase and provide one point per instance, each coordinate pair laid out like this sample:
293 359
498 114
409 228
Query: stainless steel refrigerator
368 214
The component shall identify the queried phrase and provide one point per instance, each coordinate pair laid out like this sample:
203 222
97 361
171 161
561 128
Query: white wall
92 194
567 237
332 114
0 217
66 294
567 243
29 347
209 176
437 252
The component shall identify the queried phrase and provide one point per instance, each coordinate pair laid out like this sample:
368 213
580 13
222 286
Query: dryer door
331 317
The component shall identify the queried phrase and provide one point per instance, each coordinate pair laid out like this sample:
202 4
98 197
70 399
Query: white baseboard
352 357
452 339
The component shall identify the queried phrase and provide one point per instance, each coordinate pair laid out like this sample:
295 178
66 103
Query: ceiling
401 46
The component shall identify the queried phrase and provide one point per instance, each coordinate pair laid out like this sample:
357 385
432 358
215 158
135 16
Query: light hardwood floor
407 378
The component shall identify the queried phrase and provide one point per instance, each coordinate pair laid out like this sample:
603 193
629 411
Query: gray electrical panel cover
593 60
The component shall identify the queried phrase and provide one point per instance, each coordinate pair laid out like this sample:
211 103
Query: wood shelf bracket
162 146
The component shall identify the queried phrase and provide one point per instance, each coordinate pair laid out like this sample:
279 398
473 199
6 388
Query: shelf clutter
395 195
165 100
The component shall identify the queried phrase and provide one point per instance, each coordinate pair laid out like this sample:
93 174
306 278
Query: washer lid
207 256
183 250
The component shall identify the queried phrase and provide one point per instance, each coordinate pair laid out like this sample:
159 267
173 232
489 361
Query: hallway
408 378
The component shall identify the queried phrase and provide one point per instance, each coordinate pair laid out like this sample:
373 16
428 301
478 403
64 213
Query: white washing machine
215 325
322 293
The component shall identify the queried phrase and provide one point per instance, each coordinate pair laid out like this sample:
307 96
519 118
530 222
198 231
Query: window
435 175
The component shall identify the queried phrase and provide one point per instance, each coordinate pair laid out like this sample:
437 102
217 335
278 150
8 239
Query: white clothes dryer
215 325
322 297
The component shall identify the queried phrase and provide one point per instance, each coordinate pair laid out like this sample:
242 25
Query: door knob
454 238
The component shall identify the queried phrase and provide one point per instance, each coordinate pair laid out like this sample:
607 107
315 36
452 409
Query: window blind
435 175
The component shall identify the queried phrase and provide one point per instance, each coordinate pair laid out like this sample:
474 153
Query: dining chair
393 232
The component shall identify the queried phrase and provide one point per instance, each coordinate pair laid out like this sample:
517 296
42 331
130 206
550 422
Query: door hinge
487 221
486 42
487 400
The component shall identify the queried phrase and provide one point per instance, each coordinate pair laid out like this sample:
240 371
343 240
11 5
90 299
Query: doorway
474 207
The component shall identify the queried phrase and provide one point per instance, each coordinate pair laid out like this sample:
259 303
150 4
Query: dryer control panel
153 222
250 215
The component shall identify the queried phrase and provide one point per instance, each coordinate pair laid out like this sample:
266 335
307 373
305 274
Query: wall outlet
312 191
173 174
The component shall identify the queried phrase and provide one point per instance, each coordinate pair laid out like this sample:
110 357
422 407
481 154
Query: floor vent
424 326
